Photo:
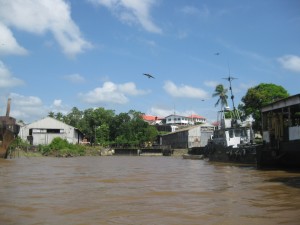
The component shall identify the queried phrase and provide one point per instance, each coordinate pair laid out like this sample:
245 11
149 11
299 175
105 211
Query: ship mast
235 112
230 78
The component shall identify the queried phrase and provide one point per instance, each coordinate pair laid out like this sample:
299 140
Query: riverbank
88 151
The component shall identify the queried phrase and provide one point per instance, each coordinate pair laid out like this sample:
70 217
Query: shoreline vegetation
61 148
92 151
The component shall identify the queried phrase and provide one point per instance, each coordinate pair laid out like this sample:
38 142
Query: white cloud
290 62
26 101
161 111
164 112
7 80
212 84
8 43
184 91
58 106
31 108
132 12
57 103
130 89
38 17
111 93
75 78
27 108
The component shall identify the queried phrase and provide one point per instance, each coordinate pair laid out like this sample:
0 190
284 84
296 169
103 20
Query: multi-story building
185 120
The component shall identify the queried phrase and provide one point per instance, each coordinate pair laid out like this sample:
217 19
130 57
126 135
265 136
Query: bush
44 149
61 147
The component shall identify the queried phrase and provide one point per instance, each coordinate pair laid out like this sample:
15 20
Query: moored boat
232 142
189 156
233 139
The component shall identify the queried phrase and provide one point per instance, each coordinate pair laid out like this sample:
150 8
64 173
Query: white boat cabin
232 137
231 131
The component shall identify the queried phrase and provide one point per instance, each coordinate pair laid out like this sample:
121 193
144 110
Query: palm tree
221 92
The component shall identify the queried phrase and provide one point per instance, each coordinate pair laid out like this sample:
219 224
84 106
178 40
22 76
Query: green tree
259 96
221 92
119 127
92 119
74 117
87 124
104 127
51 114
59 116
130 129
150 133
102 134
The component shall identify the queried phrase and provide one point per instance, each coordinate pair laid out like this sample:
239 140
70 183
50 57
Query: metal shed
45 130
194 136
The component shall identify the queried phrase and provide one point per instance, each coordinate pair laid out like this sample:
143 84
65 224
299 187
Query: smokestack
8 107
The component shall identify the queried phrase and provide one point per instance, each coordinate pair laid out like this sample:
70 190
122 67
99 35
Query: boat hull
242 155
188 156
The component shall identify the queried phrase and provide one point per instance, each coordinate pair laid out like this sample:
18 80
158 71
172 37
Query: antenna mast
235 112
230 78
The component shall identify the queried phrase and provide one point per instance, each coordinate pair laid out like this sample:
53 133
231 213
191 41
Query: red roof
150 118
216 123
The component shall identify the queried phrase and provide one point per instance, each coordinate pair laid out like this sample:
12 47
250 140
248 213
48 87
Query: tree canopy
104 127
259 96
221 92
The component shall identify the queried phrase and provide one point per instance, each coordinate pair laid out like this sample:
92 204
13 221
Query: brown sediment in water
144 190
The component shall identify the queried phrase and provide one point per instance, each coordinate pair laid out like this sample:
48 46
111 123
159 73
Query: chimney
8 107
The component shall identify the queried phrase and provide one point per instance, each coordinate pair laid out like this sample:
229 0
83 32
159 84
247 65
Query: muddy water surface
145 191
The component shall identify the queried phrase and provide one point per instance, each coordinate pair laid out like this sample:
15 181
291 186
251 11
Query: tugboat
8 131
232 140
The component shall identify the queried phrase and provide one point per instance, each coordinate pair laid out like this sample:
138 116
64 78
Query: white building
197 119
176 119
45 130
184 120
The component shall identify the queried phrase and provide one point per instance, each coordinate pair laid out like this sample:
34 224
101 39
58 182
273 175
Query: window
53 131
237 133
231 133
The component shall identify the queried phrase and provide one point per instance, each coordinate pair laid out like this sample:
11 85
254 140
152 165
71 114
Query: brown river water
145 191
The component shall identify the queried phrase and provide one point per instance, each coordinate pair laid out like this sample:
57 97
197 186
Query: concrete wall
196 136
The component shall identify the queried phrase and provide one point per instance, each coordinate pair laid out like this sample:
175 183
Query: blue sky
57 54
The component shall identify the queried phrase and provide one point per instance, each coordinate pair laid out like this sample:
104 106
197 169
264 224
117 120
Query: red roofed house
197 119
152 120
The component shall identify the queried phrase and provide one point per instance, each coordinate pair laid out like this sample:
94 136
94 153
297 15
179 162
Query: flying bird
149 75
217 53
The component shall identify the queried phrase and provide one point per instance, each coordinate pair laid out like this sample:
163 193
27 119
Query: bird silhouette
149 75
217 53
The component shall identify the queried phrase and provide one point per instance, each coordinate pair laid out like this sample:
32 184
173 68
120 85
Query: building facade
184 120
43 131
194 136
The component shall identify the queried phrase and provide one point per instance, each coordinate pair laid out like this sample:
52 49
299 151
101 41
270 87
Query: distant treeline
103 127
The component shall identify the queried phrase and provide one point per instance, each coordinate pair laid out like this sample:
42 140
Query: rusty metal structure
9 130
281 134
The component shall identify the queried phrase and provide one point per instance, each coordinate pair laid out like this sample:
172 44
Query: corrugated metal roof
289 101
